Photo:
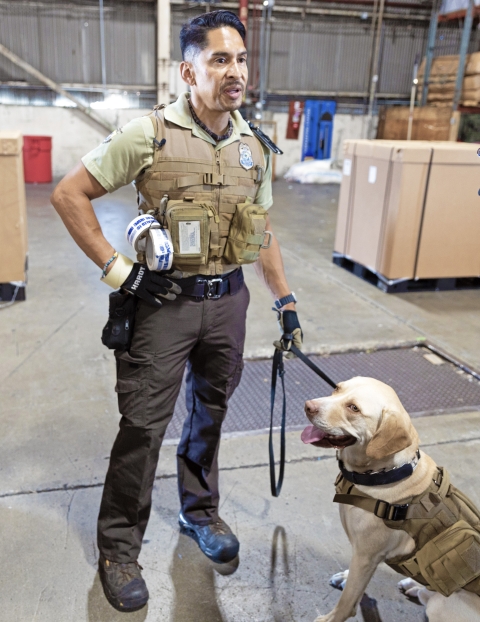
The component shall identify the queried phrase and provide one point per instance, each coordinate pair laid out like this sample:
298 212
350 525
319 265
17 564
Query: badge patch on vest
246 158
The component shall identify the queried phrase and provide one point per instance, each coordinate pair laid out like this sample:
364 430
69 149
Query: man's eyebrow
229 54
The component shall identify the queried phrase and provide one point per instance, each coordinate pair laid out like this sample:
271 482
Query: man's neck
215 121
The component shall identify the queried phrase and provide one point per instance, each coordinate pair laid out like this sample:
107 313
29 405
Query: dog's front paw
326 618
409 587
339 580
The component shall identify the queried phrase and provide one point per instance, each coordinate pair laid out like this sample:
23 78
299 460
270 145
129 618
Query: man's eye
354 408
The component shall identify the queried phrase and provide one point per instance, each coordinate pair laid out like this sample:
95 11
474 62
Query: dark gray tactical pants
208 336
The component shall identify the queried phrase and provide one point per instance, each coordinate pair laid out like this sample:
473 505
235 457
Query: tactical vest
190 169
443 522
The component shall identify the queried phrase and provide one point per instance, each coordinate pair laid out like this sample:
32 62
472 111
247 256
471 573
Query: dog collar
377 478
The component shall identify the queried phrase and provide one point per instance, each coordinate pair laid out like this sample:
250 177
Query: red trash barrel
37 159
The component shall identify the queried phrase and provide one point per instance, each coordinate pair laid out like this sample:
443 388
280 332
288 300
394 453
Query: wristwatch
281 302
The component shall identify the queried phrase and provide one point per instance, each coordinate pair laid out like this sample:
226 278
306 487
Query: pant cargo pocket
133 385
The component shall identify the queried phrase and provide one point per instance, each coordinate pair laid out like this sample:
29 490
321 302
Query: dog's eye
354 408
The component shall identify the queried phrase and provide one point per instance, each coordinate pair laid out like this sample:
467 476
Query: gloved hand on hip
149 285
291 332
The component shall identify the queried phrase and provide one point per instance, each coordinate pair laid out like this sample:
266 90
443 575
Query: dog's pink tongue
311 434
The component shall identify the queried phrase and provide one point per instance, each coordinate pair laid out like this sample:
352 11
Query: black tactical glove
148 285
291 332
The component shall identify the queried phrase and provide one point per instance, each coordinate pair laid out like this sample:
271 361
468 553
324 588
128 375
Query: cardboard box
449 244
410 209
13 216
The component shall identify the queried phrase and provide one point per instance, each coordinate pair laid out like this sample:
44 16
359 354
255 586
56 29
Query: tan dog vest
445 526
209 185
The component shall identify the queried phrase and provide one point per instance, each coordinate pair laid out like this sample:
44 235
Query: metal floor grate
422 386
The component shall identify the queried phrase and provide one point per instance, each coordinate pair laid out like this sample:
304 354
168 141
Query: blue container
318 129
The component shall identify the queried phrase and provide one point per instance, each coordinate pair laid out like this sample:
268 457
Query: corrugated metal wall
321 53
63 42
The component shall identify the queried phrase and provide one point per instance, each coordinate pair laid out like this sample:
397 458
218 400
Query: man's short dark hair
194 34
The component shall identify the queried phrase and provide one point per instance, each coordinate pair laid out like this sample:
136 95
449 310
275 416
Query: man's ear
187 72
393 435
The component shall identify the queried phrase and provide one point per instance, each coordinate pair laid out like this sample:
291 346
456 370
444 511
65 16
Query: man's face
219 72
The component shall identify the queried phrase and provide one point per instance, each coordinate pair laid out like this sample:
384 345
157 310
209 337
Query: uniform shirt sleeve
264 193
122 155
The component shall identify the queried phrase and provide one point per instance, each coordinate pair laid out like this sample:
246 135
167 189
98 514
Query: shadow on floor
193 577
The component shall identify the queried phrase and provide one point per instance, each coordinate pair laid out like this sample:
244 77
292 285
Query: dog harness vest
205 197
443 522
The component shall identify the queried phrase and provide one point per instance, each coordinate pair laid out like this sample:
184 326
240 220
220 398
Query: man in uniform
197 151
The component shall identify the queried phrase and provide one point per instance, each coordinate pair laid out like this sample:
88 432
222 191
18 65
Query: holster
118 331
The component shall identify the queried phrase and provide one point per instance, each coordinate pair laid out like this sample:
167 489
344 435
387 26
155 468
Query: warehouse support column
467 30
243 12
432 37
375 69
163 51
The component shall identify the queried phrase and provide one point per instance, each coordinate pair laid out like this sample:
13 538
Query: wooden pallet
402 286
9 292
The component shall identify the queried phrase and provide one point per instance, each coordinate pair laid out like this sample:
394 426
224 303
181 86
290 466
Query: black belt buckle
213 288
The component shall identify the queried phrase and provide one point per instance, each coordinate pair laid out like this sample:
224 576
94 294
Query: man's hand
291 332
148 285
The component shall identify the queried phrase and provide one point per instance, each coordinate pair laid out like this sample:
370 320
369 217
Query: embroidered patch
110 136
246 159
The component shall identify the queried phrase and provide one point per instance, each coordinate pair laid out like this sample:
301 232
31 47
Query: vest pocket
452 559
247 234
190 226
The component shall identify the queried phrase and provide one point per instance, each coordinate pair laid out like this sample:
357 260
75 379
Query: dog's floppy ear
393 435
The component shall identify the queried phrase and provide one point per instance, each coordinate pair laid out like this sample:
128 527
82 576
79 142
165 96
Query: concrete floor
59 419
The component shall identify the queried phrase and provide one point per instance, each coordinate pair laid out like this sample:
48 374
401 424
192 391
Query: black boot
123 584
215 540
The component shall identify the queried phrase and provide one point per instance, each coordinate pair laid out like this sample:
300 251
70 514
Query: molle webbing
425 517
186 167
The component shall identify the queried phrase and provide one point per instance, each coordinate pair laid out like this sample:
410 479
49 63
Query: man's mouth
235 91
313 436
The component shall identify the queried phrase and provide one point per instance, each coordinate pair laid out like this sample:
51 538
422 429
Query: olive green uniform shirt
129 150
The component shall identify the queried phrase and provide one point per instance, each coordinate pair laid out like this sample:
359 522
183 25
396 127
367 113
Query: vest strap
382 509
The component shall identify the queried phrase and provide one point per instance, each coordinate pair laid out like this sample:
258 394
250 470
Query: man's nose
235 70
311 407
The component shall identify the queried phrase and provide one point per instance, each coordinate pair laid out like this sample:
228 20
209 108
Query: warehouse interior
375 105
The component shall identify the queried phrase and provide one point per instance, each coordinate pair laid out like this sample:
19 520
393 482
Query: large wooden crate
429 123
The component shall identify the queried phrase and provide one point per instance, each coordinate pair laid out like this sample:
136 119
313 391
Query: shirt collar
179 113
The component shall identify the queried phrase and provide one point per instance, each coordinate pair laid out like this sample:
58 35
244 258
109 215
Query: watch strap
281 302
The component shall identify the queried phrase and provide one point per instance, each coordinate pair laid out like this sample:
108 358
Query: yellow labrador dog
366 422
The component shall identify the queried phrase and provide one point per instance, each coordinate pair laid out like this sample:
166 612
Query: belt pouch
118 331
246 234
452 559
190 226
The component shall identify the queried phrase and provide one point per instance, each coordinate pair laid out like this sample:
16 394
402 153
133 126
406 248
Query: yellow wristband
119 272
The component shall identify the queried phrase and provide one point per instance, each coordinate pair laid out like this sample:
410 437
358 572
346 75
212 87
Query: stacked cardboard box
13 218
410 210
443 75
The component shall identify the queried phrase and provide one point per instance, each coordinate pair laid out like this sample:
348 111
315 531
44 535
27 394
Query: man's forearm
73 204
270 270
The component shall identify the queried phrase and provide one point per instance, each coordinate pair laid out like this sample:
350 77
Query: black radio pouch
117 332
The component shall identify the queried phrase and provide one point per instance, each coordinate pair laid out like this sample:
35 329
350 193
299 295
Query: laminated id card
189 237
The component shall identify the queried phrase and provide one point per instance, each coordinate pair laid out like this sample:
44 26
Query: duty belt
214 287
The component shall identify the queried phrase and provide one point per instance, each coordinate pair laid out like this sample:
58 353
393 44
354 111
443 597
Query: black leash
278 369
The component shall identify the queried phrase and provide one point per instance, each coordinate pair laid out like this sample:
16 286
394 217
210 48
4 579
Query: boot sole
193 534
